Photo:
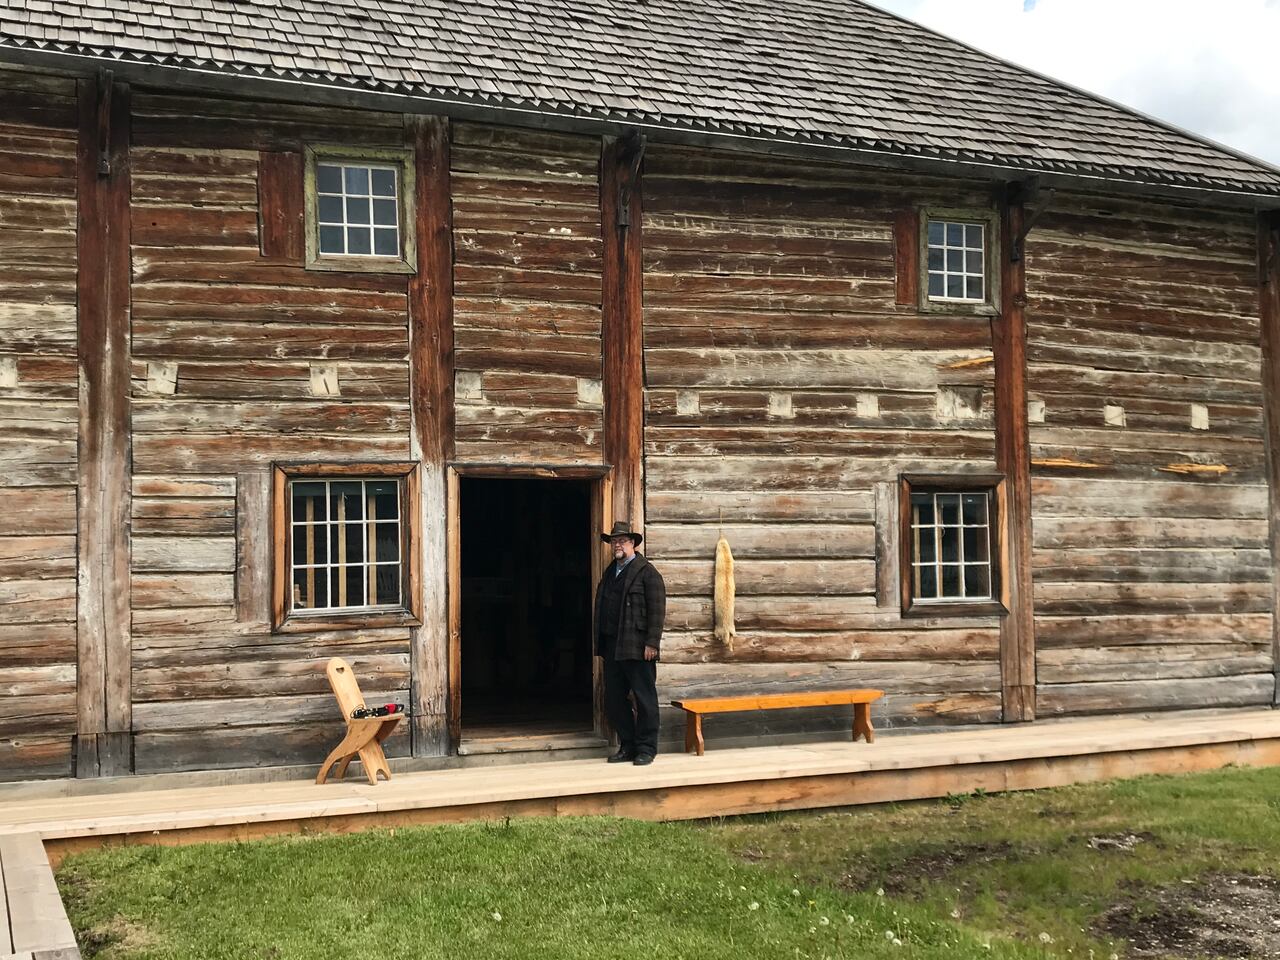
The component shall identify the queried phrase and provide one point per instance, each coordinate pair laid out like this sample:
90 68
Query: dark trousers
638 731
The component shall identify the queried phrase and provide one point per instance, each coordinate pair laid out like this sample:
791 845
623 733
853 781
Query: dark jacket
644 609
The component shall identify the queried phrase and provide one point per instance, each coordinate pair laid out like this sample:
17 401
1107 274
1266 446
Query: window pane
331 240
937 231
328 178
977 543
357 210
955 234
977 581
384 183
357 179
950 582
345 498
386 499
973 236
355 587
935 258
921 508
386 243
937 285
955 261
387 583
310 589
949 507
928 546
973 262
975 507
302 492
354 535
330 209
388 542
974 288
358 240
384 213
926 583
950 537
955 287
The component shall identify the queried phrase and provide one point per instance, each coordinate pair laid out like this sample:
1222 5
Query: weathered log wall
242 359
1151 559
786 393
526 214
38 425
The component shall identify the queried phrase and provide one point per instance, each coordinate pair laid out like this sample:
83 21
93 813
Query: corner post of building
1013 460
432 441
1269 313
622 332
104 668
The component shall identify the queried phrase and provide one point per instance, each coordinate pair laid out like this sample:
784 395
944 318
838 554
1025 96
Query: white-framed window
957 261
951 543
359 209
344 545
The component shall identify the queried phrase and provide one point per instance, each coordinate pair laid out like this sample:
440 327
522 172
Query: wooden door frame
601 513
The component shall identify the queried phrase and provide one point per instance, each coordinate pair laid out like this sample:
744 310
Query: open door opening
526 586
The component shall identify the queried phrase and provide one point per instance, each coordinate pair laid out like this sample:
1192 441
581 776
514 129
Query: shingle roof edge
210 77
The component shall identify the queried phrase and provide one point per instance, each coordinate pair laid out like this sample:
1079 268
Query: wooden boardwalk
677 786
33 923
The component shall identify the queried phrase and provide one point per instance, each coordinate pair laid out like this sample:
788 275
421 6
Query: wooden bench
364 737
33 922
695 709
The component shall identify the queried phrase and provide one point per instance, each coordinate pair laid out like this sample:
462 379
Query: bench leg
697 734
689 744
862 723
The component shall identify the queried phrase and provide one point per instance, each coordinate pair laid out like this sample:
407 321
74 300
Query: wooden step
34 922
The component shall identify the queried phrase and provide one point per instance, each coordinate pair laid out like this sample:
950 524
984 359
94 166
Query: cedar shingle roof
834 72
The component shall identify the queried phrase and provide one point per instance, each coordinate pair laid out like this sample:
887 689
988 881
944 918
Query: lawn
1161 866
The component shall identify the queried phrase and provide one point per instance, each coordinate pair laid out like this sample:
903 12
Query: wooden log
1176 694
431 359
1013 459
1269 295
103 297
621 220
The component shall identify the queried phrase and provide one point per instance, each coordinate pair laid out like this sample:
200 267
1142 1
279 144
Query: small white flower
1045 938
813 929
795 892
753 905
496 915
824 921
742 888
1115 956
848 918
880 891
897 942
955 914
888 934
986 946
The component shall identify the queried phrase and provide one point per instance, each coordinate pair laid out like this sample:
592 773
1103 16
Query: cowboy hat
622 529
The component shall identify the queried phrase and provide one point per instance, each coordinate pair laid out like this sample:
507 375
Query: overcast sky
1209 66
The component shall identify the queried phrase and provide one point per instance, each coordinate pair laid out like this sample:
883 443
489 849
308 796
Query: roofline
254 86
1091 94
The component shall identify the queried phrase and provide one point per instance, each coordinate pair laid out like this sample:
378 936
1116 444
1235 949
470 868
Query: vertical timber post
104 668
1269 302
1013 459
431 407
622 336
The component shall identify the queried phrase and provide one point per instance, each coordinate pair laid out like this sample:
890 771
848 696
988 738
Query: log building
343 329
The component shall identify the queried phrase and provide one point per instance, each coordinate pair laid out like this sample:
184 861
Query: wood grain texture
103 500
1269 305
280 206
1009 342
431 347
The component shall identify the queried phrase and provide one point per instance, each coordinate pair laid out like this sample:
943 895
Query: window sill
361 264
311 623
959 308
981 608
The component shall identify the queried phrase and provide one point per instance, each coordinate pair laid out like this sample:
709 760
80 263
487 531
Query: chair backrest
345 689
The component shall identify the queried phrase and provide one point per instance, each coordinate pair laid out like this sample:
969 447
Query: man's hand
650 653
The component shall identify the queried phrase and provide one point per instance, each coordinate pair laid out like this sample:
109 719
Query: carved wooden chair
364 737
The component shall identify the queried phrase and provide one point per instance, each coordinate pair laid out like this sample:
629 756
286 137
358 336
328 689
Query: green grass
972 877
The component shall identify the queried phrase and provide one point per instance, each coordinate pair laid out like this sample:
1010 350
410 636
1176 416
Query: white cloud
1209 67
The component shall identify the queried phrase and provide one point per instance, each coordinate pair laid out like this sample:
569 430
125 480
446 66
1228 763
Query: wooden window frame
403 161
995 486
990 220
285 620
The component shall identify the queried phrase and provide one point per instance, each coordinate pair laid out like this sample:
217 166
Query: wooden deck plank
729 781
39 921
6 933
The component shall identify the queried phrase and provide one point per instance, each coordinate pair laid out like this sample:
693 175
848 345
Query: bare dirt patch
122 937
913 872
1217 916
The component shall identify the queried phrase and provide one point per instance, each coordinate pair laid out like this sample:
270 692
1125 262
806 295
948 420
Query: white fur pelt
725 590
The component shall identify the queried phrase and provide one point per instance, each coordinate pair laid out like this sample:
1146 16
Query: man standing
631 605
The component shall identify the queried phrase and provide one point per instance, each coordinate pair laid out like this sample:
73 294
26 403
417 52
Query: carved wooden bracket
631 152
1036 203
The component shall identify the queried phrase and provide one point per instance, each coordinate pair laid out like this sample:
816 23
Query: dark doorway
526 607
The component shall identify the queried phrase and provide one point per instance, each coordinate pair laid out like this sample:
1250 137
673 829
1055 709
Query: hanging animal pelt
725 589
